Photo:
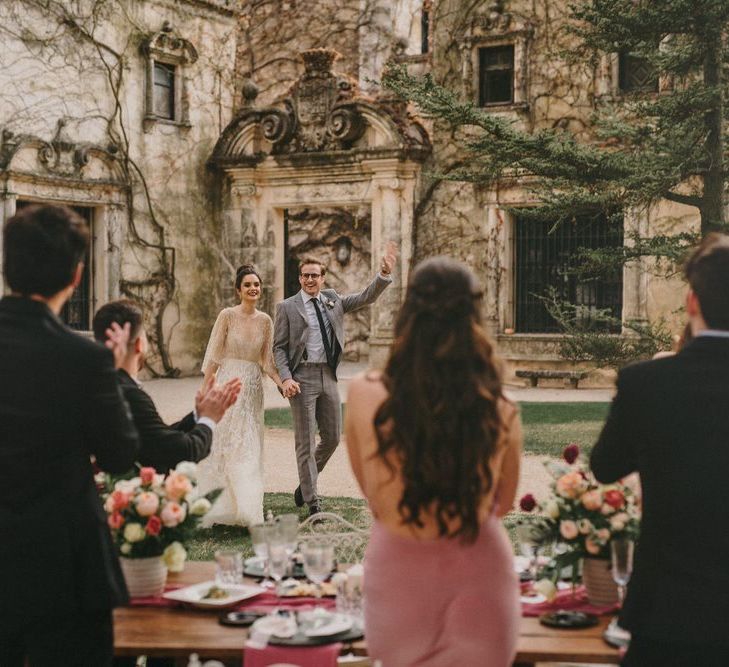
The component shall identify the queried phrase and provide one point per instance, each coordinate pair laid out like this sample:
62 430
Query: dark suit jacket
162 446
60 403
669 421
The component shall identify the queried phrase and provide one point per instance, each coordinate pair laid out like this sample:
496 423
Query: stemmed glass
531 536
259 537
318 561
621 552
289 526
278 559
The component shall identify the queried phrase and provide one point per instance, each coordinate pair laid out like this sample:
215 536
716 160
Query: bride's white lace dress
241 345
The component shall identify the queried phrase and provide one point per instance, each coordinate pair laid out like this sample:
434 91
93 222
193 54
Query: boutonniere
329 304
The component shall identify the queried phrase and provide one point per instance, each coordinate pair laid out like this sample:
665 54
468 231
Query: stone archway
325 145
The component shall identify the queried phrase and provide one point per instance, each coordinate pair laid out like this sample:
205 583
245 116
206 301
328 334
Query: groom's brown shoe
298 497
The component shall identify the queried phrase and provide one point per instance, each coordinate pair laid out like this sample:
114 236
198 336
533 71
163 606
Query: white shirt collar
307 297
713 333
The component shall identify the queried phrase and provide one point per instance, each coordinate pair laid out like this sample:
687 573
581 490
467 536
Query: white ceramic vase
145 577
598 580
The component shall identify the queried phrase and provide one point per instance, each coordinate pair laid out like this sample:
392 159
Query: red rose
115 520
146 475
615 498
120 500
570 453
528 502
154 525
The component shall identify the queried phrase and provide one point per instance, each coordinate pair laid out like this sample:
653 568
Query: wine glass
259 538
530 537
289 526
318 561
278 559
621 552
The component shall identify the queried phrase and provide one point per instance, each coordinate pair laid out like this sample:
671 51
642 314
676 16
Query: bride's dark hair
440 420
245 270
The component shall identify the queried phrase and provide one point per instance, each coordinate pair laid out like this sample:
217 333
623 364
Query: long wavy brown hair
441 419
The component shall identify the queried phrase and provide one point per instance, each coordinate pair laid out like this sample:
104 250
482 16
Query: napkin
314 656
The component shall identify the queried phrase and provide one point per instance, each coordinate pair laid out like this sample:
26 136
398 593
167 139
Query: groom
308 339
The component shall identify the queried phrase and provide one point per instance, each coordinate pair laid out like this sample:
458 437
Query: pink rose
154 525
120 500
603 534
172 514
571 485
592 500
615 498
527 503
177 486
571 452
592 547
115 520
146 475
146 503
568 530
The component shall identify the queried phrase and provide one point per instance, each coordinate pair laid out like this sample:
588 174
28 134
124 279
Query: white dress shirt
315 352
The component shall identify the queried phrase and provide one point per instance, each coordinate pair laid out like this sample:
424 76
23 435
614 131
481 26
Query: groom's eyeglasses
310 276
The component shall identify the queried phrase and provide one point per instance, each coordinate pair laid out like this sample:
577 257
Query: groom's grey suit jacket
291 328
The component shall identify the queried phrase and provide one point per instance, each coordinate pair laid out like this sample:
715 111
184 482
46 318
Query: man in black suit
60 403
669 422
161 447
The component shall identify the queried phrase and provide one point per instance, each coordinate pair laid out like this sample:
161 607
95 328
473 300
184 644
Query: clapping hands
212 400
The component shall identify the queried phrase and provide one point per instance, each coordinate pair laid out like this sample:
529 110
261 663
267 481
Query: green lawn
548 427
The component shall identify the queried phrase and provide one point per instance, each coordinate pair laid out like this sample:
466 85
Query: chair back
348 540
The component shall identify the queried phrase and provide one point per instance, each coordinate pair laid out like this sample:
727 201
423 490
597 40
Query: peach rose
115 520
177 486
603 535
172 514
592 500
120 500
146 503
571 485
592 547
146 475
568 530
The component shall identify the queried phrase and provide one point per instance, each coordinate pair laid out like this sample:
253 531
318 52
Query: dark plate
257 571
568 619
241 619
300 639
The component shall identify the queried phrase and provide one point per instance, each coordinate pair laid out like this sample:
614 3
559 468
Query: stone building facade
200 134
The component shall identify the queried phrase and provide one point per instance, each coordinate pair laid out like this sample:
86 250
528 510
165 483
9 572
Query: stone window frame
615 92
519 39
167 48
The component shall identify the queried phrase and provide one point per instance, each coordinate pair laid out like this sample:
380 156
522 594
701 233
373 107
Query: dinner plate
240 618
568 619
195 595
331 624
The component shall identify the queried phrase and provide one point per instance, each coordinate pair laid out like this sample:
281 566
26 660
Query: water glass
259 538
229 567
531 537
621 551
278 557
318 561
289 526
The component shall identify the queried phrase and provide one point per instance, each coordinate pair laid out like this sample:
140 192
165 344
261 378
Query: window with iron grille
543 260
164 90
496 75
636 74
78 309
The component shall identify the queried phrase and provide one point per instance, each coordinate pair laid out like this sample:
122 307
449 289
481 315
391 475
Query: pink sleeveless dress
441 603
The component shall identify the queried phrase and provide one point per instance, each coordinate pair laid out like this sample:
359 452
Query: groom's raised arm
368 295
281 342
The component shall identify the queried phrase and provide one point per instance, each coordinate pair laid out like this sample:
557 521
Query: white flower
568 530
127 485
174 557
126 548
552 509
547 588
133 532
187 468
585 526
200 506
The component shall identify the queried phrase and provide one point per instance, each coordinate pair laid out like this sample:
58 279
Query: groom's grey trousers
319 403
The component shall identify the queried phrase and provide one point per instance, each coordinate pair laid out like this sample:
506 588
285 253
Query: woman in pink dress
435 447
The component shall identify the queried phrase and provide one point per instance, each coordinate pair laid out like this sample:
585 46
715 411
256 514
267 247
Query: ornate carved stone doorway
324 149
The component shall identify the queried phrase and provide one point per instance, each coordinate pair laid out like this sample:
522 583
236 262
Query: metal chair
348 540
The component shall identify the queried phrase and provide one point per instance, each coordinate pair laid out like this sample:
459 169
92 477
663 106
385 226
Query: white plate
193 595
332 624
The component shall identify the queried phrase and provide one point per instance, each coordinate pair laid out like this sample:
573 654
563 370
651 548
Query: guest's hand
216 400
117 340
388 259
290 388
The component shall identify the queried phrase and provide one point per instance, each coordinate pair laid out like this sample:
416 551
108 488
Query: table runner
568 600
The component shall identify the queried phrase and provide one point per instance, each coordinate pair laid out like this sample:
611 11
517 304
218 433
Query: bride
240 346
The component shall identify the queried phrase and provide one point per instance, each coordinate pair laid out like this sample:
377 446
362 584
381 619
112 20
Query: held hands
212 400
289 388
388 259
117 340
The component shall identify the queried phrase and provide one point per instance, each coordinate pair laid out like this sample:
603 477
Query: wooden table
166 632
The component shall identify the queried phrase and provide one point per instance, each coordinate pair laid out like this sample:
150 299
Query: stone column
112 219
391 221
7 210
635 275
